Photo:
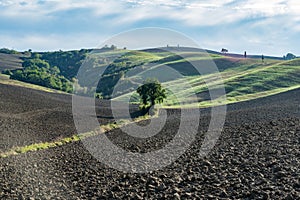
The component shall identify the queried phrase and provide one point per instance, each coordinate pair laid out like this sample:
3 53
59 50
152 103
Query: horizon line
149 48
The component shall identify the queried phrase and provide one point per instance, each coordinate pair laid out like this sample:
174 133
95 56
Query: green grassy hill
243 79
124 70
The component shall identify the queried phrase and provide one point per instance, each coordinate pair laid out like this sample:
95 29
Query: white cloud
207 13
193 13
274 19
262 9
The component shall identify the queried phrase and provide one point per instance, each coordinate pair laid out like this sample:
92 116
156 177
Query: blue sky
270 28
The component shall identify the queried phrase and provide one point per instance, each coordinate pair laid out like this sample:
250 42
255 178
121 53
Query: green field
124 70
243 79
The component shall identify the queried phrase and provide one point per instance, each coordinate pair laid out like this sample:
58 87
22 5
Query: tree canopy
151 92
290 56
39 72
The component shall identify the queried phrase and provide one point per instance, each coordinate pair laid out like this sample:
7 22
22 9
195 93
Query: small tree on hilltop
290 56
151 92
224 51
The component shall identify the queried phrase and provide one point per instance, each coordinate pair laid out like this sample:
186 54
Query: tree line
39 72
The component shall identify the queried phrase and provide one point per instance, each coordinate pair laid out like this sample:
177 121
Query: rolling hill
256 156
243 79
124 70
11 61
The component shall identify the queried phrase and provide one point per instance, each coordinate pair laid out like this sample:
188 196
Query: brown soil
256 157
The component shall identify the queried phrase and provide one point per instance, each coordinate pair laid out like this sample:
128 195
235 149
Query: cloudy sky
271 28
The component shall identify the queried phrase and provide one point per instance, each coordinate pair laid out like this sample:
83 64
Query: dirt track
257 157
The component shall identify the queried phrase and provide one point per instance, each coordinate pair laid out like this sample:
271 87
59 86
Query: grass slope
243 79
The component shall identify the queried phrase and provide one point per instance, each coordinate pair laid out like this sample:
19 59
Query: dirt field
10 61
30 116
256 157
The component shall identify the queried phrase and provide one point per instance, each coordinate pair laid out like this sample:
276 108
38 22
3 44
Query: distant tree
262 58
35 55
245 54
224 50
151 92
8 51
113 47
290 56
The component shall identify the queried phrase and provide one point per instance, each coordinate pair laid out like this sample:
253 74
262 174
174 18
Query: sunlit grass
62 141
231 100
252 80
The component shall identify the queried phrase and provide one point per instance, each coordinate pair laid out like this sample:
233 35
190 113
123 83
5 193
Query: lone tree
224 51
151 92
290 56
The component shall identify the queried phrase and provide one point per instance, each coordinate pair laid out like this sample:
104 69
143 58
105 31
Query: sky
271 28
